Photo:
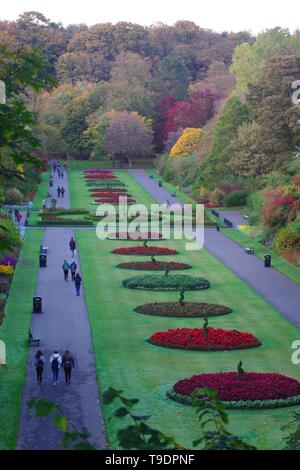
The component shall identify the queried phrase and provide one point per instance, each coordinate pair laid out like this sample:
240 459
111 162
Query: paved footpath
278 290
63 325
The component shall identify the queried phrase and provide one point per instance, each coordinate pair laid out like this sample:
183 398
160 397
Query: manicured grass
291 271
80 194
125 361
87 164
14 332
42 191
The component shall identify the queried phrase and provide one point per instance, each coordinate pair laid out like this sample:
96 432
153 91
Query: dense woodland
213 110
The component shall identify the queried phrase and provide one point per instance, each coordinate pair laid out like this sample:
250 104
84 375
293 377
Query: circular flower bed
109 194
161 282
145 251
187 309
197 339
110 189
99 176
154 266
134 235
98 171
112 200
253 391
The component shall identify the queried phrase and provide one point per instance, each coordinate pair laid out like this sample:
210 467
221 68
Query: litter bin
37 304
51 183
43 261
268 260
160 183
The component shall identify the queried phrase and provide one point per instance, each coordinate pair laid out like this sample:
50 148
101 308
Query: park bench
33 340
249 250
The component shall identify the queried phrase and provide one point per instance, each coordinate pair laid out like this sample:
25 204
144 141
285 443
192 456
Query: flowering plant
166 282
8 261
187 309
254 390
6 269
144 251
112 200
154 265
197 339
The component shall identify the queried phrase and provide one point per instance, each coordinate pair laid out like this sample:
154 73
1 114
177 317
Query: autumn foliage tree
127 136
187 143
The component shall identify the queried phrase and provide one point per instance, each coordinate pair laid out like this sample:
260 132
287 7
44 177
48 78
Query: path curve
277 289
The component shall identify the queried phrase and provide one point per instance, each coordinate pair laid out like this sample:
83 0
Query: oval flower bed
111 200
99 176
187 309
154 265
110 194
255 390
161 282
110 189
144 251
196 339
98 171
134 235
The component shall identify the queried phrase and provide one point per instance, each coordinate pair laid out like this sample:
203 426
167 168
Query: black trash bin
160 183
43 261
268 261
37 304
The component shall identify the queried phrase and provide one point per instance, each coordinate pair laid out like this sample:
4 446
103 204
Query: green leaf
110 395
61 422
120 412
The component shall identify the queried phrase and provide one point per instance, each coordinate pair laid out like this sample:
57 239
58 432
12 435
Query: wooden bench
33 340
249 250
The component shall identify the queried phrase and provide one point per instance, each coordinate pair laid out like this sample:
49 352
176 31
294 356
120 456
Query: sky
218 15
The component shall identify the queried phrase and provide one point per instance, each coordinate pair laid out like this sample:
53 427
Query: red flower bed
134 235
114 195
109 189
112 200
194 338
254 386
154 266
145 251
99 176
98 171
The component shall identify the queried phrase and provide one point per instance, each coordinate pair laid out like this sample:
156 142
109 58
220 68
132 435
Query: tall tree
127 136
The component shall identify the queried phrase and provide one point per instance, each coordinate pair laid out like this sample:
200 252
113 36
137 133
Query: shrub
287 240
5 269
163 282
154 265
186 309
13 196
235 199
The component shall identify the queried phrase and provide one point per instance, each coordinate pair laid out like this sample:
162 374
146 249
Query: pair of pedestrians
66 362
75 276
60 191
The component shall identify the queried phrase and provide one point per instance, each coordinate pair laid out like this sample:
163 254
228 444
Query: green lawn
42 191
80 194
290 270
124 360
87 164
14 332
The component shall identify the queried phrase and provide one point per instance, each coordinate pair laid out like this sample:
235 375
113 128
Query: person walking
78 282
62 175
72 245
39 363
44 203
58 191
55 362
16 212
65 268
19 217
68 364
73 268
62 190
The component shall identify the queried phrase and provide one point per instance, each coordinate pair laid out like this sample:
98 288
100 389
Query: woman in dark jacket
78 281
39 362
68 364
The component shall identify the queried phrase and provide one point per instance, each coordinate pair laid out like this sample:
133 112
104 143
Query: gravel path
63 325
278 290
